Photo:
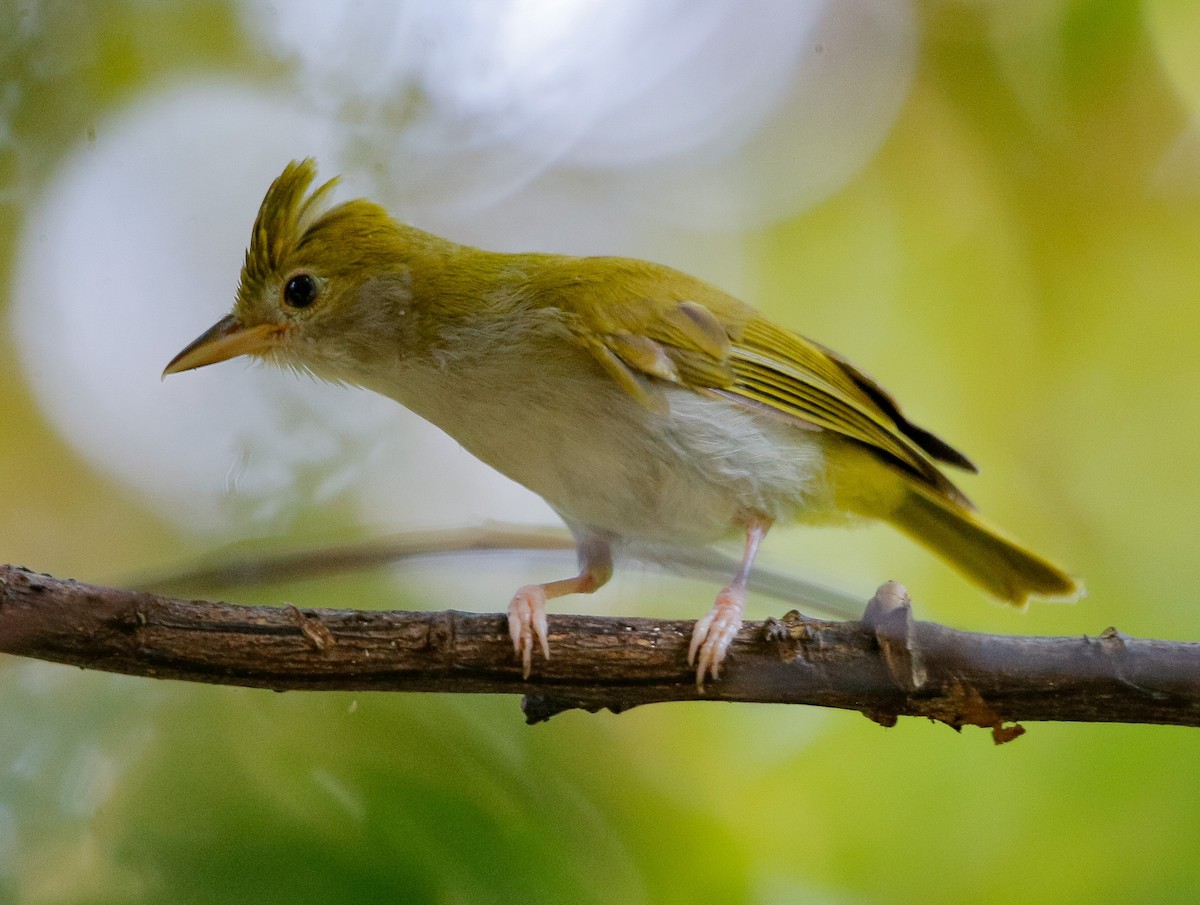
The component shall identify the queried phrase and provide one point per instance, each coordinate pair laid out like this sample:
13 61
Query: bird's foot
527 624
714 633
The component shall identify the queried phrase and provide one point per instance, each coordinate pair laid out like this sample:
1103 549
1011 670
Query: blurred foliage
1018 262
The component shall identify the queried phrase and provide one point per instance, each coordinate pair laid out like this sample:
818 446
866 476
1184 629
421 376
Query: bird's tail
999 565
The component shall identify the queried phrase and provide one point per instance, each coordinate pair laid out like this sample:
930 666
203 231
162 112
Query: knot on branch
889 616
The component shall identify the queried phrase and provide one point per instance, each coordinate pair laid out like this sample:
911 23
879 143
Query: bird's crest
284 217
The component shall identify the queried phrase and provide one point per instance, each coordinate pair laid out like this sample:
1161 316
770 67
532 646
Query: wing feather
722 346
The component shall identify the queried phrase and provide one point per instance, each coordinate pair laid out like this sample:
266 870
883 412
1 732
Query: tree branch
238 569
886 665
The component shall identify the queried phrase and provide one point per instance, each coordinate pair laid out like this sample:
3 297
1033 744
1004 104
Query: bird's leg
527 610
715 632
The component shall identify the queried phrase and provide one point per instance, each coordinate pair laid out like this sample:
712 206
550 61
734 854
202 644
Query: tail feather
981 553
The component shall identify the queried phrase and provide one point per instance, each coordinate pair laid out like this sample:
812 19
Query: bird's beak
223 340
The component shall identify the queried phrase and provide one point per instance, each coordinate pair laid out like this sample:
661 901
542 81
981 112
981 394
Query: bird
644 405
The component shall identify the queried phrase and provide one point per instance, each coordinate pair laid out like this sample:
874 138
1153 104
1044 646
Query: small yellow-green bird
641 403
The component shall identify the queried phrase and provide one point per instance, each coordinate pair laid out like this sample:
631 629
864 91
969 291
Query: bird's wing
745 358
787 373
641 342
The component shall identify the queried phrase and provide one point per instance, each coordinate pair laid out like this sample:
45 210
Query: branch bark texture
886 665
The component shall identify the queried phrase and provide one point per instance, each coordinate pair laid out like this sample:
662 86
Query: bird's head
322 288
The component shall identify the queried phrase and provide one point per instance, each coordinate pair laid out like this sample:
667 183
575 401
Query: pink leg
527 610
715 632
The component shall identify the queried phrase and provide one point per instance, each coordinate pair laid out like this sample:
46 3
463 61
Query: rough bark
885 665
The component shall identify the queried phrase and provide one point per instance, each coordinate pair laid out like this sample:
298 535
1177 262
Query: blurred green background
1017 262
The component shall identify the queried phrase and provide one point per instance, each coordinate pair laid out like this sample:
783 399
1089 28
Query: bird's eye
300 291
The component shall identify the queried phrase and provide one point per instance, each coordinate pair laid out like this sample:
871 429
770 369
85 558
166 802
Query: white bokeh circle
133 250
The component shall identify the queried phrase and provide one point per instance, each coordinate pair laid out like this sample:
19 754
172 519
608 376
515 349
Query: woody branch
885 665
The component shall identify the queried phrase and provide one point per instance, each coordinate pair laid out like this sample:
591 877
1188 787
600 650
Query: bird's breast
566 430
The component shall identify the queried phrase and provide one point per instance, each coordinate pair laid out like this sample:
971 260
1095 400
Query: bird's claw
527 624
714 633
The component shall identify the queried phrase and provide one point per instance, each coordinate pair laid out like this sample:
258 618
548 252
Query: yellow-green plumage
722 345
643 404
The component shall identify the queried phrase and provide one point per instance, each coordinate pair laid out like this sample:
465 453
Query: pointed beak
224 340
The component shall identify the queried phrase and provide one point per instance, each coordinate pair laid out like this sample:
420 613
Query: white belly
691 477
606 463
